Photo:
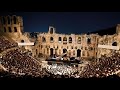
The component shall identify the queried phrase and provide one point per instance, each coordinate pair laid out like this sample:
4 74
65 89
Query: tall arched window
60 39
65 40
43 39
70 39
88 41
79 40
51 39
51 30
15 29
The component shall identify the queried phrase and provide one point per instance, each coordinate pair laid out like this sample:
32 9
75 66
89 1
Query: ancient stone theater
50 43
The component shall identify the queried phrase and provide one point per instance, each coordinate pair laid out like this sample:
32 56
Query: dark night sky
68 22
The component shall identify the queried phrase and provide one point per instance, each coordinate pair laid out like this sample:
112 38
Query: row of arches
48 46
9 29
60 39
8 20
65 40
65 50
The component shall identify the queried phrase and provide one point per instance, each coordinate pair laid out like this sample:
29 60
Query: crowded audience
20 64
102 67
5 44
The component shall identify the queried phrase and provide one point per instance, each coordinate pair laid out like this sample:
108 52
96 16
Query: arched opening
51 39
59 39
15 29
78 53
79 40
22 41
8 19
64 50
70 39
88 41
65 40
9 28
14 19
43 39
51 30
114 44
51 51
4 29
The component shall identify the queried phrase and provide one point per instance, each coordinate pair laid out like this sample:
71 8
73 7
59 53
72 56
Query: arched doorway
114 44
78 53
88 41
51 51
22 41
64 50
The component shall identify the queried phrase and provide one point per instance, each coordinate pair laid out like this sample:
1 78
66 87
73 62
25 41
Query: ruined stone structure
49 43
12 27
75 45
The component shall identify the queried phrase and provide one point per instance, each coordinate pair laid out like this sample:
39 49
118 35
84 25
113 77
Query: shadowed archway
64 50
51 51
78 53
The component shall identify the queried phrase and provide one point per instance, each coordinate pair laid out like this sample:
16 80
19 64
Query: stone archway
114 44
64 50
51 51
78 53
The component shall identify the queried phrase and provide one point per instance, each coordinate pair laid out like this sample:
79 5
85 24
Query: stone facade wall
12 27
75 45
82 45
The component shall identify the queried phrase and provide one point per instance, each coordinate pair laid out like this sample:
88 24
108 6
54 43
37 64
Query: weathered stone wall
75 45
12 27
